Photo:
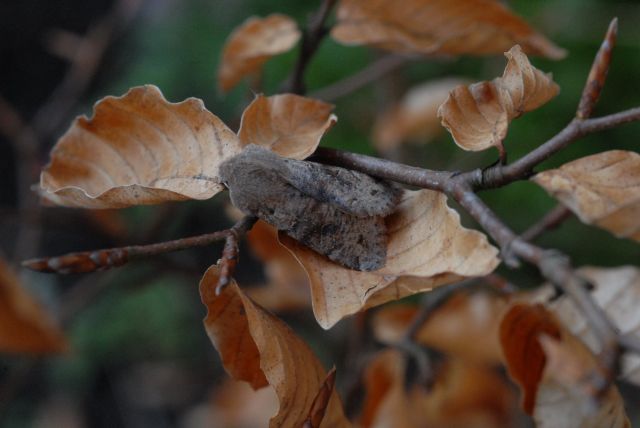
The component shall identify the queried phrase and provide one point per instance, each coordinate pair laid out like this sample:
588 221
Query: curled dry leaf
24 325
617 292
257 347
427 247
414 118
463 395
287 124
602 189
138 149
288 286
453 328
451 27
478 116
251 44
553 369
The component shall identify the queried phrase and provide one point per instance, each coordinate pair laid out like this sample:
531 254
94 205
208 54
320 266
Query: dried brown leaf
553 369
251 44
414 118
234 404
453 27
287 285
321 402
463 395
453 328
257 347
24 325
602 189
427 247
478 116
138 149
617 292
287 124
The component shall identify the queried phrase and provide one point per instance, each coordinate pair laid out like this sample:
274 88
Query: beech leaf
617 292
287 124
24 325
551 366
257 347
602 190
427 247
288 286
452 328
478 115
462 395
452 27
138 149
251 44
414 118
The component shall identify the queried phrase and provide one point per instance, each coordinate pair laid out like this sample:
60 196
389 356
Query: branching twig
550 221
552 264
311 39
371 73
90 261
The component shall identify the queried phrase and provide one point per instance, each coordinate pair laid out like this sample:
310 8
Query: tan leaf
453 328
602 189
257 347
322 400
427 247
463 395
552 368
288 124
414 118
617 291
138 149
251 44
478 116
287 285
24 325
234 404
453 27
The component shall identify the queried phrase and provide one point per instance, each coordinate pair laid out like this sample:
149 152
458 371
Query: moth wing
350 191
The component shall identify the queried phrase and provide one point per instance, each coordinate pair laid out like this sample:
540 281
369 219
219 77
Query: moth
334 211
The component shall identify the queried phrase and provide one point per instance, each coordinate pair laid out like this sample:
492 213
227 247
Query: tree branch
311 39
550 221
91 261
498 175
371 73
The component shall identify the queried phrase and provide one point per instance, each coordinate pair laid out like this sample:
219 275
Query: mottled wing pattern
352 191
274 189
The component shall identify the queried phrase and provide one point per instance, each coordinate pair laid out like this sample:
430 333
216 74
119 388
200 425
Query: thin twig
229 258
598 73
371 73
91 261
311 39
551 220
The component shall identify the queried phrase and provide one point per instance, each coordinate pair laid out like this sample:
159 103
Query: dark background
140 355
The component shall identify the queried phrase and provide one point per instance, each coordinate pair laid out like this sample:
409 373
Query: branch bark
91 261
311 39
